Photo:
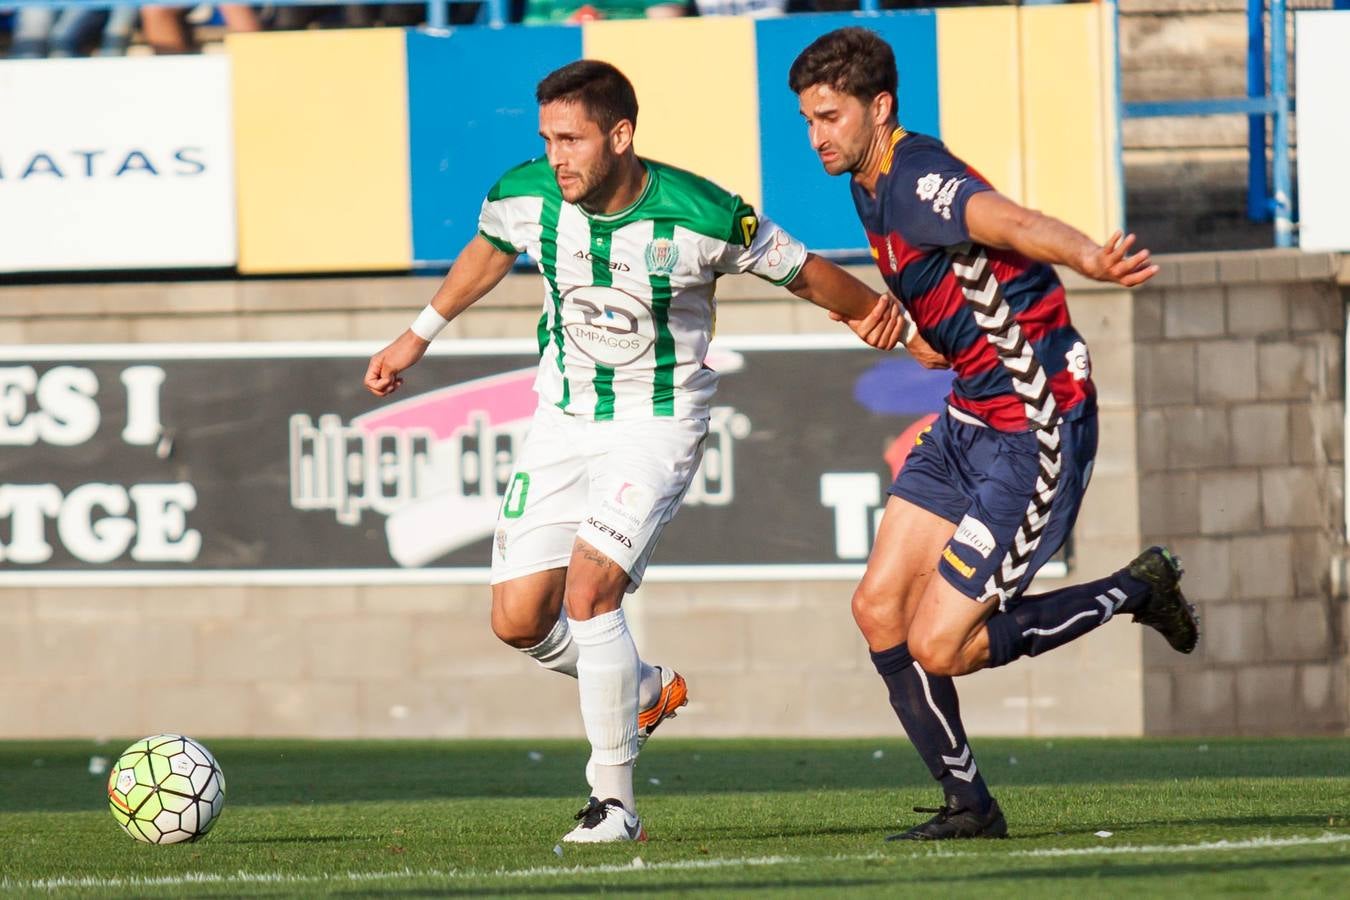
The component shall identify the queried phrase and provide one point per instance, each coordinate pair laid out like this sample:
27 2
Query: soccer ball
166 789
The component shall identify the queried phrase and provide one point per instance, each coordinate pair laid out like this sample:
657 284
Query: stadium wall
1240 386
1221 412
775 657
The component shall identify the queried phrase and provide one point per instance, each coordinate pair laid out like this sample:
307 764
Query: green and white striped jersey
628 297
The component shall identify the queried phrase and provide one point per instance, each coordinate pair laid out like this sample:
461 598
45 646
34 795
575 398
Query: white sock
649 685
607 676
557 651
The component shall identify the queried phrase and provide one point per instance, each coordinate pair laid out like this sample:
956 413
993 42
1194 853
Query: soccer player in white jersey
630 251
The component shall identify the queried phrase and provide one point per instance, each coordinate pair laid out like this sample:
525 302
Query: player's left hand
924 354
1113 262
881 327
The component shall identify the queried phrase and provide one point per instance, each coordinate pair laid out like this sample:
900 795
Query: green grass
749 818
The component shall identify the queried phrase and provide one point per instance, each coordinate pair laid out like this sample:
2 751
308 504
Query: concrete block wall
1240 383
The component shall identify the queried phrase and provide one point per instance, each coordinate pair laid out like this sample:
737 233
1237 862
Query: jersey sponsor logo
1079 362
630 504
610 326
607 530
613 264
956 563
662 256
780 258
931 187
749 228
973 533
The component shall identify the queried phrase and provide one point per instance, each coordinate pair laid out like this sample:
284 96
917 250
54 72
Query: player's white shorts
615 485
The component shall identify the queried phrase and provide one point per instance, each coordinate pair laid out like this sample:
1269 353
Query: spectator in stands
757 8
552 12
44 31
165 28
358 15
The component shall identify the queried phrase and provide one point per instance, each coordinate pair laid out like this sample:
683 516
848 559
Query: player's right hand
881 327
382 375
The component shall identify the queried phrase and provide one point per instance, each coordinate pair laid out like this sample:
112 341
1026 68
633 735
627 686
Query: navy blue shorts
1013 496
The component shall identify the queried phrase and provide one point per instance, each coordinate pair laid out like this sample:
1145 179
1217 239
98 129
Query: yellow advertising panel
696 82
980 92
1068 101
321 126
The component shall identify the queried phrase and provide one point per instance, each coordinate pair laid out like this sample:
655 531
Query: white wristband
908 330
428 324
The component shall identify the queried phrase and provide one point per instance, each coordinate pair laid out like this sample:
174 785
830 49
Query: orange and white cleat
674 694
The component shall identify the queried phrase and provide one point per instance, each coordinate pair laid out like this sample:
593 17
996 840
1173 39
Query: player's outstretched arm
877 319
996 221
883 322
478 269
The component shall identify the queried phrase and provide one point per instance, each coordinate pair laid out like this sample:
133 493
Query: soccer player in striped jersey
630 251
991 491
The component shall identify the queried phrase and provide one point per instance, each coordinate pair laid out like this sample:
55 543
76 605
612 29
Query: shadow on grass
1017 831
53 776
298 839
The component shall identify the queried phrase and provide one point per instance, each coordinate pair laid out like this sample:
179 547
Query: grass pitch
796 818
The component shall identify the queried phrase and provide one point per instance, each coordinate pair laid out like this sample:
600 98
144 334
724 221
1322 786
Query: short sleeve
760 247
499 226
930 191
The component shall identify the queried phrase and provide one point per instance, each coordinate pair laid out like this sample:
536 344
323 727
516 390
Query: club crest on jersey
927 187
1078 361
663 255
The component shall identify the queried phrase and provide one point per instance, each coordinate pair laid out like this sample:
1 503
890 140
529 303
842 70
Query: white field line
1250 844
637 865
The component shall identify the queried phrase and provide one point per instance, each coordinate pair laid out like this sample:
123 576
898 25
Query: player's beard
848 160
599 184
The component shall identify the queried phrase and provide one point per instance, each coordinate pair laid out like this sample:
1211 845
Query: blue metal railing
438 11
1267 98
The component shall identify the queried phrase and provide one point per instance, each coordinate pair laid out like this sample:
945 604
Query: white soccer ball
166 789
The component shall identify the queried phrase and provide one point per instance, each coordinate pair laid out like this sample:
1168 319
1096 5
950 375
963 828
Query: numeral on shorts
516 496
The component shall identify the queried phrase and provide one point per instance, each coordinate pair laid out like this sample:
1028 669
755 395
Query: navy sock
1032 625
931 715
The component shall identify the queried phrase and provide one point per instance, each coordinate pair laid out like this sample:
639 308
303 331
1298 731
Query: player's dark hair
602 90
854 61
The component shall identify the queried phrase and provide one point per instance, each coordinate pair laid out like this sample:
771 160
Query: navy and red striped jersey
1000 318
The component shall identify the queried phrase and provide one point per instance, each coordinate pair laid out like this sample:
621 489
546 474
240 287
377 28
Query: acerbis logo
608 325
88 164
590 257
606 529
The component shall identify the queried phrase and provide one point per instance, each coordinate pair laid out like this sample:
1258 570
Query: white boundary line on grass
1250 844
241 877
